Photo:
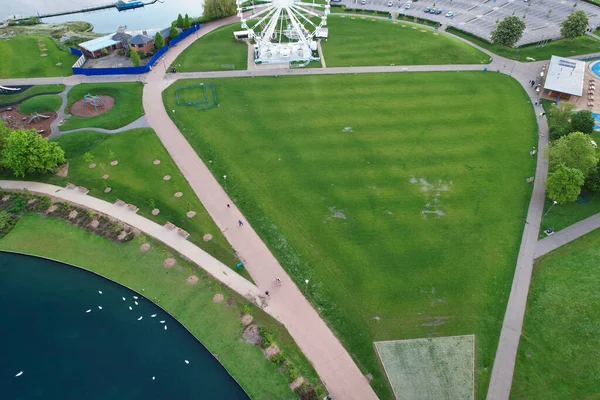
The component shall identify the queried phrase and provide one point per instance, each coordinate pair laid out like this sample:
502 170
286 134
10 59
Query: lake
66 352
158 15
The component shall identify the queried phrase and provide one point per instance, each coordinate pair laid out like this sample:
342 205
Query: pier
120 5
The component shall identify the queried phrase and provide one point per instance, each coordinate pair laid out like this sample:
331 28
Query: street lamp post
225 181
553 204
306 284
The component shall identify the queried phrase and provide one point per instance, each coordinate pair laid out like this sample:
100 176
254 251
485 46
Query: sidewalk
567 235
172 239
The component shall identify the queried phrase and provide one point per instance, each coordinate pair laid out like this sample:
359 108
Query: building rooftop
99 43
140 39
565 75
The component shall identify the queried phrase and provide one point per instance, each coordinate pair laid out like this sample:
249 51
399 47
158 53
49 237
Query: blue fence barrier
134 70
75 51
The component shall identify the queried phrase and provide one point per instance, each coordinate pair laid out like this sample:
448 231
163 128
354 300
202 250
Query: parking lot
479 17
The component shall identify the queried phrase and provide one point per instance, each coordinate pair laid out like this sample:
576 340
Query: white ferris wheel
284 30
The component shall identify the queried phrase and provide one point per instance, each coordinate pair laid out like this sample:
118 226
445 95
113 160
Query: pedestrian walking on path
228 206
267 293
278 281
240 223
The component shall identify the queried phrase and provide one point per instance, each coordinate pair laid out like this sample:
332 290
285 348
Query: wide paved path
171 238
567 235
332 362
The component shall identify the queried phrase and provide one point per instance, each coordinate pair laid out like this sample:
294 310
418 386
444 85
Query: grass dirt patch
22 57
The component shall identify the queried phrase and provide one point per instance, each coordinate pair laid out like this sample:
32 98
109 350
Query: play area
37 121
92 105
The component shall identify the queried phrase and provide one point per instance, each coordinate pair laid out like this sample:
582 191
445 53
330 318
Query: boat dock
119 5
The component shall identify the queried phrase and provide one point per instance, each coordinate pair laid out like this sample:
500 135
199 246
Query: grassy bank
41 104
22 57
217 325
561 47
363 41
128 105
558 352
32 91
215 51
404 221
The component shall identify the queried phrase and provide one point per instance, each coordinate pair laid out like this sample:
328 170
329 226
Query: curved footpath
332 362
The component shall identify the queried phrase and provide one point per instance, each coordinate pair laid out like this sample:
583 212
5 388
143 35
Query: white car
407 6
390 3
363 2
449 14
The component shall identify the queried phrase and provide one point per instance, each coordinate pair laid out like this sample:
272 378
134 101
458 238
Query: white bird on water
90 310
123 298
153 315
165 327
136 303
186 361
153 378
139 319
100 307
135 297
162 322
100 291
19 374
130 308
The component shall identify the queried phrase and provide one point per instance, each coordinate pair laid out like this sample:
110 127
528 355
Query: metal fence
142 69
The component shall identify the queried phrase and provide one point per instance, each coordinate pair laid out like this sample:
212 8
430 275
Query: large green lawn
128 105
558 356
217 325
561 47
217 50
21 58
341 180
30 92
363 42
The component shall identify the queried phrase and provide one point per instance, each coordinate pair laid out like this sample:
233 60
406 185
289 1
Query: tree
186 22
218 8
564 184
583 121
560 119
573 151
135 58
173 32
179 21
575 25
508 31
159 41
26 152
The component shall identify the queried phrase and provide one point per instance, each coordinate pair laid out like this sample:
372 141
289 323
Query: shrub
306 391
7 222
278 359
267 337
290 371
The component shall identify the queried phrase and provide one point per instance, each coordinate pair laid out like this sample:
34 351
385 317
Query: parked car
449 14
438 11
390 3
363 2
432 11
407 6
426 10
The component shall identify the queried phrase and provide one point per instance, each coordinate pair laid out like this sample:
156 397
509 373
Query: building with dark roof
141 43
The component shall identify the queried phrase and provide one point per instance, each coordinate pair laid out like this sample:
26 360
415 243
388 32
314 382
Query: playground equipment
93 101
283 30
36 117
4 89
189 96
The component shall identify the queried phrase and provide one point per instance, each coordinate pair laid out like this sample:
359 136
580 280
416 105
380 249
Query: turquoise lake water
68 353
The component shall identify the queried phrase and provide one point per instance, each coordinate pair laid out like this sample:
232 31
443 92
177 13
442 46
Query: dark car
426 10
438 11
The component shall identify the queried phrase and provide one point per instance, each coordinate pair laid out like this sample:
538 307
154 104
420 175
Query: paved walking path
567 235
506 354
218 270
141 122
